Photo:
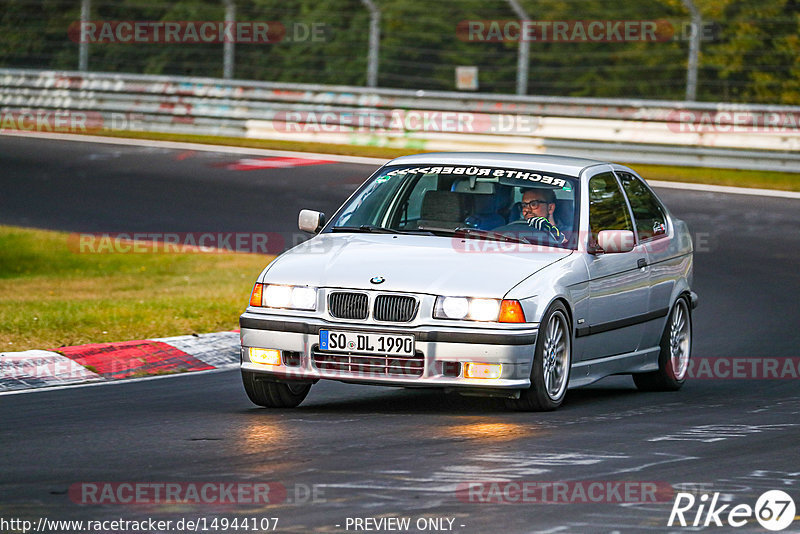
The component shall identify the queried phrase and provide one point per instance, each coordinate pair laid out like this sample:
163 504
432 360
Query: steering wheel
518 228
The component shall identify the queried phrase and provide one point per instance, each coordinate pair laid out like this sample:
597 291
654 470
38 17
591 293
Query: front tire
676 349
552 361
274 394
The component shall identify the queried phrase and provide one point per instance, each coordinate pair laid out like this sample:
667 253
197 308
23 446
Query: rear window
648 214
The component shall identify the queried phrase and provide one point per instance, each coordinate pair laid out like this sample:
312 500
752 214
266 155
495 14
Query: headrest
441 205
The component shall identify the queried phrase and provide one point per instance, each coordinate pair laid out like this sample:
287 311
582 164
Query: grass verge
700 175
52 296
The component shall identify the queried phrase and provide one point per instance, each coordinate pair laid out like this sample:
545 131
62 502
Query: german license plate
367 343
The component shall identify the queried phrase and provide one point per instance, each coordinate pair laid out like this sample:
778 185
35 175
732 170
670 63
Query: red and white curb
275 162
100 362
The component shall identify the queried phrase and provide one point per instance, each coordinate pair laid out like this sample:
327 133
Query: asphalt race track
368 452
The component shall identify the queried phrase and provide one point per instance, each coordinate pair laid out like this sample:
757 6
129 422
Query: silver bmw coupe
509 275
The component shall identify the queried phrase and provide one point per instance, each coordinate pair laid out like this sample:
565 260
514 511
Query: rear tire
676 349
552 360
274 394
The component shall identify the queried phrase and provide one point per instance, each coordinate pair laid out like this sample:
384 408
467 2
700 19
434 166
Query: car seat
486 200
443 209
484 213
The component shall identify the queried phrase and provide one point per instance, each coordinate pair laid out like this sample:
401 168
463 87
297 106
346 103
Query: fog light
265 356
482 370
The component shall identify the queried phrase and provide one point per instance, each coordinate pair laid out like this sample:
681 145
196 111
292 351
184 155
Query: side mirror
612 241
311 221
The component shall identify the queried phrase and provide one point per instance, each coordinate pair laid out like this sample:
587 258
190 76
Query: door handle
641 263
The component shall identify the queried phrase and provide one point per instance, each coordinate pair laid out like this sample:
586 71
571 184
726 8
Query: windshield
473 202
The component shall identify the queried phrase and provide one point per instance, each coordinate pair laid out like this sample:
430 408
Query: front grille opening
368 365
348 305
291 358
451 369
395 308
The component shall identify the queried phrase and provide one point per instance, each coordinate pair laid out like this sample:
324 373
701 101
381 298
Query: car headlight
478 309
282 296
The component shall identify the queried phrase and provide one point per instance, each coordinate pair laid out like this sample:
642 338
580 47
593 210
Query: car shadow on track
616 393
395 401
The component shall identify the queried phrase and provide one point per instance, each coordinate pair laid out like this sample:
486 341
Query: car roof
541 162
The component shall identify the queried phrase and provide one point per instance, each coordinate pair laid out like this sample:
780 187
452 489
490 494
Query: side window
651 221
607 207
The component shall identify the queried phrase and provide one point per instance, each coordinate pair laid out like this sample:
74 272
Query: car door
618 288
654 233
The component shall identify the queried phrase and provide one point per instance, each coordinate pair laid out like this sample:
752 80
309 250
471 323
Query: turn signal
511 312
255 296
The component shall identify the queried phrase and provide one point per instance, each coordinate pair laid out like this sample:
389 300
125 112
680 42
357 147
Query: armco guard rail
760 137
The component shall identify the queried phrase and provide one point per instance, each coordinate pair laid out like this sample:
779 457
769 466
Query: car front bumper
299 338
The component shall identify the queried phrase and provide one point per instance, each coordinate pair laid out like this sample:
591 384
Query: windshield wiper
475 233
437 230
370 229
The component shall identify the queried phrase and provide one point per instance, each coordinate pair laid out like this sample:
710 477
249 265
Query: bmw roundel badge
377 279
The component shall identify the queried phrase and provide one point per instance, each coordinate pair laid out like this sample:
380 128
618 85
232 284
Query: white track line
353 159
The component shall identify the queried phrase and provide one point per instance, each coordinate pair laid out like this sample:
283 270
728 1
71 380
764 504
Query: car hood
411 263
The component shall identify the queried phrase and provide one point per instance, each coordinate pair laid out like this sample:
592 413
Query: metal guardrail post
523 54
694 51
374 42
83 46
228 46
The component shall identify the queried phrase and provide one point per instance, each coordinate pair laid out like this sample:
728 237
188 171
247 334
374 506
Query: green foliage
757 57
753 54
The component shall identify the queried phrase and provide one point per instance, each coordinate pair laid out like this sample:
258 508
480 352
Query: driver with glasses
538 206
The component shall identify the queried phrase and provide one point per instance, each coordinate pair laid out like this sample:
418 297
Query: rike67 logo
774 510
